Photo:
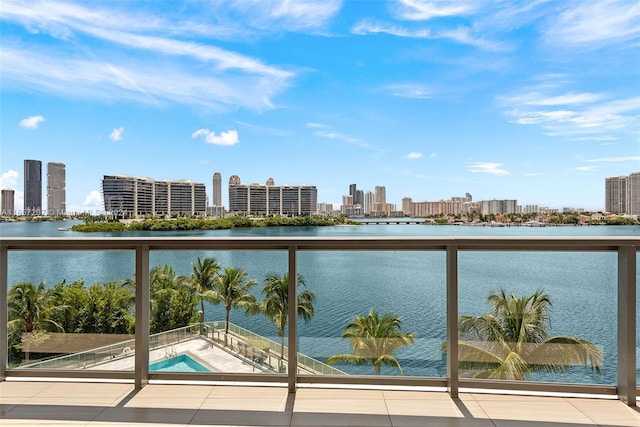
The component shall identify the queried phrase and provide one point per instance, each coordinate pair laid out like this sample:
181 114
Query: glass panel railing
376 312
64 303
538 316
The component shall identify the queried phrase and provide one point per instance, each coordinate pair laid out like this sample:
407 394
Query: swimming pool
180 363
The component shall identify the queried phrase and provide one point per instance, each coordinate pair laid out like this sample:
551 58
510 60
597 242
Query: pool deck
213 357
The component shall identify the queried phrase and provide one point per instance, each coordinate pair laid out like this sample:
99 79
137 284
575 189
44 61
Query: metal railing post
627 324
292 344
4 317
452 321
142 317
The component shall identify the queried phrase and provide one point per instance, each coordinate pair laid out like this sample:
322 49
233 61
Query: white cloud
9 179
314 125
417 10
409 90
616 159
432 155
288 15
535 98
93 199
225 138
586 168
201 75
116 134
414 155
593 24
488 167
31 122
367 27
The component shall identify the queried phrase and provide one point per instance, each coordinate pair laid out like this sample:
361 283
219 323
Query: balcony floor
114 404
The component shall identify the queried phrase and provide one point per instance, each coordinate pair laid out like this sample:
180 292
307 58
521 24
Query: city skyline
538 102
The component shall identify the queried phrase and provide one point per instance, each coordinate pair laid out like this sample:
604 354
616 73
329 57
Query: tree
374 339
109 309
232 288
275 304
513 340
173 304
204 274
30 307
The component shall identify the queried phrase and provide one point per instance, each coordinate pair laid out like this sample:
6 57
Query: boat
64 228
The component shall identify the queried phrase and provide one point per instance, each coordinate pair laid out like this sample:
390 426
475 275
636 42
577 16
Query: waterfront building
7 201
634 193
616 192
369 199
32 187
406 205
381 194
132 197
216 196
270 199
56 189
498 207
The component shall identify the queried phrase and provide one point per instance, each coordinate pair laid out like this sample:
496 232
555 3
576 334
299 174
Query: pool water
180 363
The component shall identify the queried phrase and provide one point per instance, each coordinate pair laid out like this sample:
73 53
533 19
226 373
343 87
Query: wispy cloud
488 167
573 115
367 27
286 15
417 10
586 168
414 155
264 129
594 24
31 122
225 138
616 159
409 90
116 134
153 52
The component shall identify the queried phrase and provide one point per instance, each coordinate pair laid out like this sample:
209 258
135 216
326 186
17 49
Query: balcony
443 261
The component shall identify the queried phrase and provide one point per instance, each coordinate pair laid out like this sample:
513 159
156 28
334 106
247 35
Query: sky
537 101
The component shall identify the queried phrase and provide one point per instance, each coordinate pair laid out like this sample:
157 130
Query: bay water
582 286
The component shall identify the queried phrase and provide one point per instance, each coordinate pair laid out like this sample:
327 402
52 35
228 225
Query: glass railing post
452 321
4 318
142 317
627 324
293 321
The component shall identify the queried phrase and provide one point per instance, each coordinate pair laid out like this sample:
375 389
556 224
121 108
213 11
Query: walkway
110 404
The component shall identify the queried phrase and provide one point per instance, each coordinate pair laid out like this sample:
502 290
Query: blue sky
537 101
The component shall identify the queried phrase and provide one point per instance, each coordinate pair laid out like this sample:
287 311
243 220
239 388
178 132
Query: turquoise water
180 363
583 286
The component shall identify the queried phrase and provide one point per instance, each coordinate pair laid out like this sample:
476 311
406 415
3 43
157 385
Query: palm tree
275 304
203 277
374 339
513 340
30 307
232 288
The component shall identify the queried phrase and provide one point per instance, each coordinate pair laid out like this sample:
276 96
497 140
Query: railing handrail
409 243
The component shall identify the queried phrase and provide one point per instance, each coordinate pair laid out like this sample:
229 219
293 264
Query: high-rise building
32 187
381 194
270 199
216 198
7 201
634 193
131 197
56 189
622 194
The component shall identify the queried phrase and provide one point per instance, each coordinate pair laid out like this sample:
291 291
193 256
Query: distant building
381 194
622 194
32 187
7 201
270 199
216 196
132 197
498 207
56 189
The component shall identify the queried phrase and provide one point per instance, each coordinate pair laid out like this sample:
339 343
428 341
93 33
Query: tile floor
26 403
